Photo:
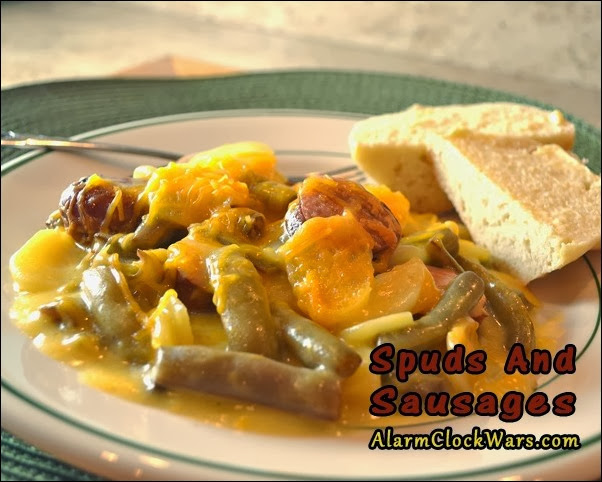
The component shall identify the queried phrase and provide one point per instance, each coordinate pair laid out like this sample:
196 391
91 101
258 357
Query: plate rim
19 161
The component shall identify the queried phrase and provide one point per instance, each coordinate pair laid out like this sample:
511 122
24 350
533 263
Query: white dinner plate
43 402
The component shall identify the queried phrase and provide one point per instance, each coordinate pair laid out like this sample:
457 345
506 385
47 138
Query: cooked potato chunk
46 261
329 264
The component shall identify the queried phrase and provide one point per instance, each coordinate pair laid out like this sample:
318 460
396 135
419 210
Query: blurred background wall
546 50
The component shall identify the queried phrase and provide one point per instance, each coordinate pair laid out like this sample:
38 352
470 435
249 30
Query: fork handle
31 141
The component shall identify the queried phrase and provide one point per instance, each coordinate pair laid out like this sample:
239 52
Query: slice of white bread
391 149
535 207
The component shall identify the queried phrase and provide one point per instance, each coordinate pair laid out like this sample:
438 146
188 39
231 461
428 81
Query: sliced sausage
86 210
325 197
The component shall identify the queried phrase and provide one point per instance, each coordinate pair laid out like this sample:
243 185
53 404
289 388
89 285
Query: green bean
315 346
241 226
420 238
233 226
449 240
275 196
249 377
242 302
264 259
442 248
103 291
67 311
153 235
228 226
460 297
506 306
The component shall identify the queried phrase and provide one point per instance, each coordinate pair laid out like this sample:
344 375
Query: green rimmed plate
44 403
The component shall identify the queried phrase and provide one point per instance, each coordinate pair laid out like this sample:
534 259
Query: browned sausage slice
325 197
86 210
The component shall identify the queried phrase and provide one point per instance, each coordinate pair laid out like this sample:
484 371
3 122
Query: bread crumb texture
391 148
534 206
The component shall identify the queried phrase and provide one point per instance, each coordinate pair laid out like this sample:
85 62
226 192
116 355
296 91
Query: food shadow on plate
570 284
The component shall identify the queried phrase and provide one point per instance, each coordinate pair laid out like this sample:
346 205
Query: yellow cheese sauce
101 369
111 293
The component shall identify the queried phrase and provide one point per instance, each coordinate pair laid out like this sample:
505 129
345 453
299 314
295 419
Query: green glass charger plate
72 107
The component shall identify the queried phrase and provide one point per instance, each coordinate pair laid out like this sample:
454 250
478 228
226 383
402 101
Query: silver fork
33 141
36 141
